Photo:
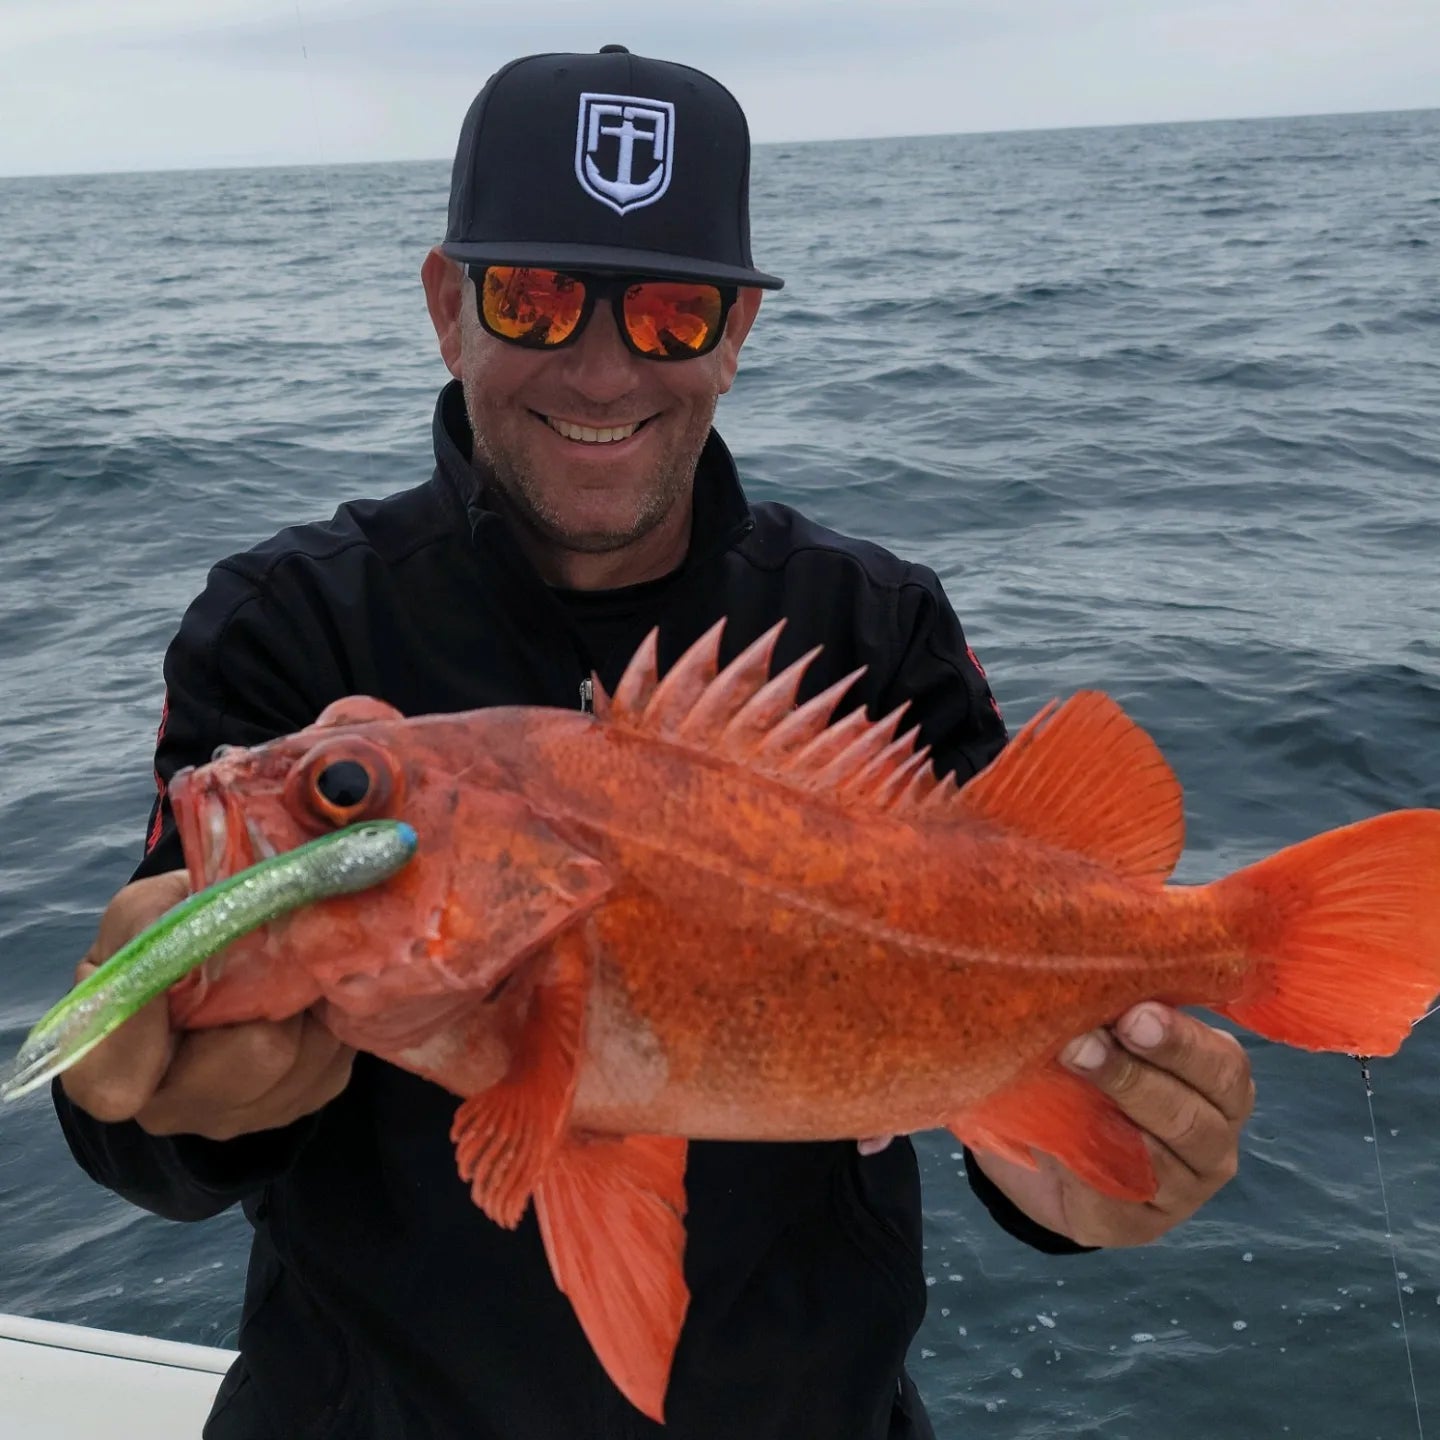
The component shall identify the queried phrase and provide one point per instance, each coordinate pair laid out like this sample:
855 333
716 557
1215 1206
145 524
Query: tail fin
1347 928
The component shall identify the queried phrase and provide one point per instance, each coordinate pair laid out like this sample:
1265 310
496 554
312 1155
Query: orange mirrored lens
678 317
532 307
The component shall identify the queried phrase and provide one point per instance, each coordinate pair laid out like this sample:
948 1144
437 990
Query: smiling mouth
591 434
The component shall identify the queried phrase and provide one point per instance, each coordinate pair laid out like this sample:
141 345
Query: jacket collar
722 513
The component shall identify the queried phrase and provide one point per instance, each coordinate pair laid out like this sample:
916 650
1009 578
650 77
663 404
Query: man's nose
599 366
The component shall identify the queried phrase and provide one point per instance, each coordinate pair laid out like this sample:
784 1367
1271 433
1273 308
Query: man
580 497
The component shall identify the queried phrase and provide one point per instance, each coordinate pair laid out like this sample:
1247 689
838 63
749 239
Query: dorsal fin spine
807 726
921 785
880 767
943 794
744 677
833 740
600 704
799 727
840 772
736 713
684 684
893 790
759 715
638 682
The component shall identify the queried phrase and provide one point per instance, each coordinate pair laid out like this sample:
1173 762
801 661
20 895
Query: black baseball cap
608 162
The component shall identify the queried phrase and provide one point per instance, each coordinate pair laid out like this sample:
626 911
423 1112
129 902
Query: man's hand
1187 1086
217 1083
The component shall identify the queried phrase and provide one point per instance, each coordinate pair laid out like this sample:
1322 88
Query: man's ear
737 327
444 282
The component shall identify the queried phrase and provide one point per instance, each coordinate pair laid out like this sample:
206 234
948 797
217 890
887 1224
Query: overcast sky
89 85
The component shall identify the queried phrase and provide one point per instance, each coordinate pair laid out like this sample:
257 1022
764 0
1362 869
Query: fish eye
345 784
342 780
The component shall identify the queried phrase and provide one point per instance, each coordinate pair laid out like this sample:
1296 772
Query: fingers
1208 1060
216 1083
873 1144
1091 1218
243 1078
130 910
1186 1087
1184 1083
120 1074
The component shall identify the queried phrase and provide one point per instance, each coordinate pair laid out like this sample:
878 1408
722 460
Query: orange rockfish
703 912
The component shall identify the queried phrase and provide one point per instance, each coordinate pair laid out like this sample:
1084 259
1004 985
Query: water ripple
1162 407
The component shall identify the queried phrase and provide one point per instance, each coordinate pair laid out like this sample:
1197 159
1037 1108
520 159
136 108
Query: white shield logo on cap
624 146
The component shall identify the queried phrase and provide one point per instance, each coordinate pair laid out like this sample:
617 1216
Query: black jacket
380 1303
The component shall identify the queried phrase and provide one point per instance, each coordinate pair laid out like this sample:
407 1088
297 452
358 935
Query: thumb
121 1073
118 1077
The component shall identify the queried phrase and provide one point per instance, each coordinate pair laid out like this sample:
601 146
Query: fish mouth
217 840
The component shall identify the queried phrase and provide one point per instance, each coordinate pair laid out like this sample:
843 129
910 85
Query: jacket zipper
587 696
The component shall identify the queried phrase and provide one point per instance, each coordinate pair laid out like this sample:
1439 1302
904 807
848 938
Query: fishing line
310 91
1389 1234
314 116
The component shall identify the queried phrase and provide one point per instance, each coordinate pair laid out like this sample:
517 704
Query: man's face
530 412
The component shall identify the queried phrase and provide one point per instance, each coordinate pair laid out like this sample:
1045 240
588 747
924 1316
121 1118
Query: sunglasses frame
601 285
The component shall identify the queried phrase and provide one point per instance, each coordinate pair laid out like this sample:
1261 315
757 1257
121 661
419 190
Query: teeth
261 847
589 435
215 839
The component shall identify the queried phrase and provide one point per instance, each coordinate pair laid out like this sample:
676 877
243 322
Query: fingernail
1086 1053
1144 1028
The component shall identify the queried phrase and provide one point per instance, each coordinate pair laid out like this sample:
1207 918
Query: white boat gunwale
59 1335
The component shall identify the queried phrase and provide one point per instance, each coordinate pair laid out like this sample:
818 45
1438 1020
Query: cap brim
608 259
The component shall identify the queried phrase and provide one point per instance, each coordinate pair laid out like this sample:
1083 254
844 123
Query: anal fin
1057 1112
612 1215
505 1136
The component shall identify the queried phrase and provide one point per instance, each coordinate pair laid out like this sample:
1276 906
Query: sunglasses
545 309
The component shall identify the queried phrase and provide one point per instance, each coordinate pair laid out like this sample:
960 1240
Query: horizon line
192 169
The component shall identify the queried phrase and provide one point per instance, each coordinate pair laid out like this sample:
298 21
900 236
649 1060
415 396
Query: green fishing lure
341 863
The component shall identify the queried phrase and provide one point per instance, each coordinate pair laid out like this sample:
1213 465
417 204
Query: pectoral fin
505 1136
1055 1111
611 1213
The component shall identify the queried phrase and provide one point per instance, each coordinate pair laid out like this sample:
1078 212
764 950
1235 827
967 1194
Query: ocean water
1161 405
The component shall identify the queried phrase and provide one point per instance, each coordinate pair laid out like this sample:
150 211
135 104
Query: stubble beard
520 484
